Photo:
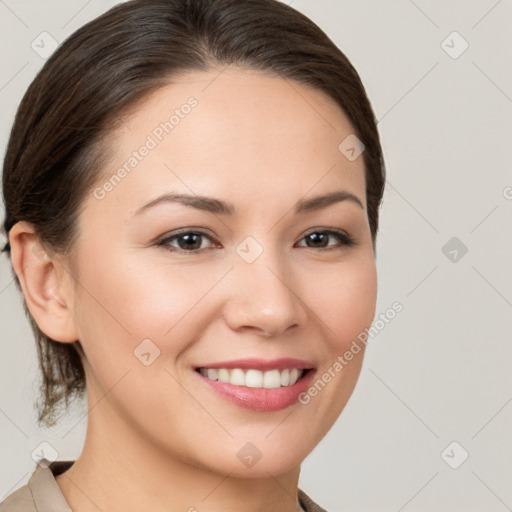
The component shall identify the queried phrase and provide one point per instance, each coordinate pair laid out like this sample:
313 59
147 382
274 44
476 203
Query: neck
121 470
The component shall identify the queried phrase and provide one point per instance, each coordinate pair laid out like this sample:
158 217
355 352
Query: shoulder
20 500
308 504
41 493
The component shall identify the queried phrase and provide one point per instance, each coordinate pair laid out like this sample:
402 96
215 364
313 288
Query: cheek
126 302
348 309
123 304
344 299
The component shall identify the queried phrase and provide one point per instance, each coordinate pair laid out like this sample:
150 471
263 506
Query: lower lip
260 399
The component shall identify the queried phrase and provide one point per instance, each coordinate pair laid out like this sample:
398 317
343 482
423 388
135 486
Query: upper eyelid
204 231
215 239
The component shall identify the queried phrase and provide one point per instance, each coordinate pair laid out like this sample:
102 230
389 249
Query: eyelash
344 238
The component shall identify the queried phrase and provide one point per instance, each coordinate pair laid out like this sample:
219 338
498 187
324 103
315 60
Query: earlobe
45 284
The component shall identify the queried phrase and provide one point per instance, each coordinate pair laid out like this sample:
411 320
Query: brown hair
54 154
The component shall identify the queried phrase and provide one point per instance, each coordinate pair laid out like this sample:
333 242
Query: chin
257 456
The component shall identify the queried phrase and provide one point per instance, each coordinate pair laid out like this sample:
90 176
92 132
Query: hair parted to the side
55 152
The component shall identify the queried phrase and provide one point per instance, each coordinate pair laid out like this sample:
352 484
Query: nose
265 297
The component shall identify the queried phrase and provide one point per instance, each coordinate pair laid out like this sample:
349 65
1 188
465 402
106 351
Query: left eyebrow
315 203
217 206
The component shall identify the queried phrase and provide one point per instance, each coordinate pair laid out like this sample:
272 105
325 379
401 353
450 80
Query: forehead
232 131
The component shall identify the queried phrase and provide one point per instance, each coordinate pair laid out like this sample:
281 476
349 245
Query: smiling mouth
253 378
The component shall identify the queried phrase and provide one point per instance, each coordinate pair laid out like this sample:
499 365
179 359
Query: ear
46 284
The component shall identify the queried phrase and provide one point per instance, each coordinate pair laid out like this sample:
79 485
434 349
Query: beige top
43 494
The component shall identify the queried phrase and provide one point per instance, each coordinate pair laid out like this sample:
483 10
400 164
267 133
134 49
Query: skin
157 438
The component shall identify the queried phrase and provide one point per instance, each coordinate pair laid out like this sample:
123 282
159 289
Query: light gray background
440 371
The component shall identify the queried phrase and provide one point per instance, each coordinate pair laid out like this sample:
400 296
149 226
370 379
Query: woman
192 192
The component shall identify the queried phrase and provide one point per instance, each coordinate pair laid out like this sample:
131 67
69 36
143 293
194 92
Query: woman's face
268 283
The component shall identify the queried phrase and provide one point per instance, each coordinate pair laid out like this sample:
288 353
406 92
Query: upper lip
262 364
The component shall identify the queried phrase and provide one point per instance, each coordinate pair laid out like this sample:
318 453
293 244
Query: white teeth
252 378
272 379
294 375
237 377
212 373
223 375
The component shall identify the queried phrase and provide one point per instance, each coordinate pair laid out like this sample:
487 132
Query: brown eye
320 239
191 241
187 241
